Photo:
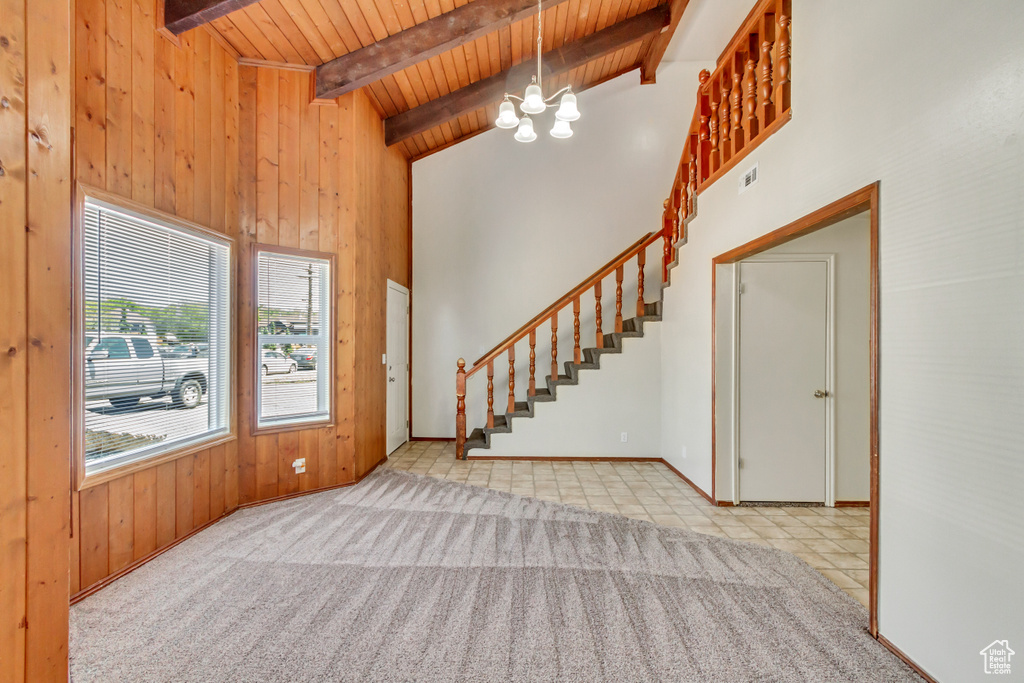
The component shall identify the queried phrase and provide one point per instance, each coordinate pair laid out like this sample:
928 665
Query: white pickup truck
125 368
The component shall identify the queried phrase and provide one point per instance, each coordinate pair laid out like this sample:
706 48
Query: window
155 306
293 330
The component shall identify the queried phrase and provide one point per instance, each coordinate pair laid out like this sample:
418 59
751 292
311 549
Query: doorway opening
795 366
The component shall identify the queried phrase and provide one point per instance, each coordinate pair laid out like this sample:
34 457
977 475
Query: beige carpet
409 578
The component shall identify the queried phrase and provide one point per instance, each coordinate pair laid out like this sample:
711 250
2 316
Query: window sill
104 476
292 427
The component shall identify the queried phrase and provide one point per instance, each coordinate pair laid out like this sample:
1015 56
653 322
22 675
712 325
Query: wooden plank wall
156 124
35 306
239 149
321 178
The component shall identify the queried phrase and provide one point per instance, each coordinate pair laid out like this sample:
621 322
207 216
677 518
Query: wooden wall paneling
337 217
76 546
94 534
91 92
309 448
14 339
291 86
309 168
218 475
287 452
184 495
165 97
143 101
119 104
201 488
233 227
247 134
49 90
145 514
202 175
219 188
184 129
121 524
266 467
166 505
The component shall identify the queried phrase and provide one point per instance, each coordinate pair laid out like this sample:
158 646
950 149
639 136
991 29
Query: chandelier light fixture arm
534 102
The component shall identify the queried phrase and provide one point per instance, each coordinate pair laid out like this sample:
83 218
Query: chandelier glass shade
533 102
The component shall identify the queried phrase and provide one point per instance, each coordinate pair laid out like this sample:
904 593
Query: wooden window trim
332 341
82 480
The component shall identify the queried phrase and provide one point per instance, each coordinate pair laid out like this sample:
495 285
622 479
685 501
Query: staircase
584 358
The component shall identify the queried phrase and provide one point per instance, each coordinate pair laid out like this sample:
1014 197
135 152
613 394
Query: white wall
926 97
849 241
588 419
502 229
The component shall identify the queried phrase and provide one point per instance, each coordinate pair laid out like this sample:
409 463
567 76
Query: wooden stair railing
741 104
637 250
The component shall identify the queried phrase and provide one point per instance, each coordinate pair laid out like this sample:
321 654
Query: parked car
305 358
274 362
125 368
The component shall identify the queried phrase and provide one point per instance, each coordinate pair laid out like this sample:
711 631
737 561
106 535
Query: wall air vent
747 179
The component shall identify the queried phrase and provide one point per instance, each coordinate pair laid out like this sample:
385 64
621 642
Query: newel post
460 409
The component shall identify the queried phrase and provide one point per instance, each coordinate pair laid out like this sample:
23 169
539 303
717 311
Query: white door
783 381
398 365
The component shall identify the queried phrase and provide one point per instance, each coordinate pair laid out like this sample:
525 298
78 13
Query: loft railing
740 105
637 250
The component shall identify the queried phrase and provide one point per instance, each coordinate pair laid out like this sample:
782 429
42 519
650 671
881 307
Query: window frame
254 340
116 202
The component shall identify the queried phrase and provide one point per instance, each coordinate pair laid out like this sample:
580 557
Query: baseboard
430 438
907 660
106 581
559 458
687 480
853 503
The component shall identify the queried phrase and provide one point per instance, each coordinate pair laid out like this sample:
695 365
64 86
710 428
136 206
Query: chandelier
535 103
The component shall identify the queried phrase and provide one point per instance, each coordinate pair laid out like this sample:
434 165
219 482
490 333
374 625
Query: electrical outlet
300 465
624 437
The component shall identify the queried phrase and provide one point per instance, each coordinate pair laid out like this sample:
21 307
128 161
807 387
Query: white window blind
157 336
293 322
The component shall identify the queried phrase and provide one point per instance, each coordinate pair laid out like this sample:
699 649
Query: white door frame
830 378
391 284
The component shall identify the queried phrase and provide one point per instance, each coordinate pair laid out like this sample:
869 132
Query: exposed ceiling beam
557 61
649 65
421 42
184 15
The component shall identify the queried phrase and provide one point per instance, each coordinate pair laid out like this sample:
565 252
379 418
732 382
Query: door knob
820 393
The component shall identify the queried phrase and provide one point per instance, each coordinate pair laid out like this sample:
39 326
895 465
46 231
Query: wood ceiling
441 82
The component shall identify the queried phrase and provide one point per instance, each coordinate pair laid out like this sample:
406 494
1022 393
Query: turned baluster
576 352
750 85
490 395
713 121
666 233
783 65
533 362
723 123
512 379
641 262
692 188
764 68
597 314
460 409
736 106
618 299
554 347
703 130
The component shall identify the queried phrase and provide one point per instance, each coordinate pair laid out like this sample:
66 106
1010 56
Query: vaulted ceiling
436 69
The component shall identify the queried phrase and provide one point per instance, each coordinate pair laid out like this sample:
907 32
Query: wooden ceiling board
312 32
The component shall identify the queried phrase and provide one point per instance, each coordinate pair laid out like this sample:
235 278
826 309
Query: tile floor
832 540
